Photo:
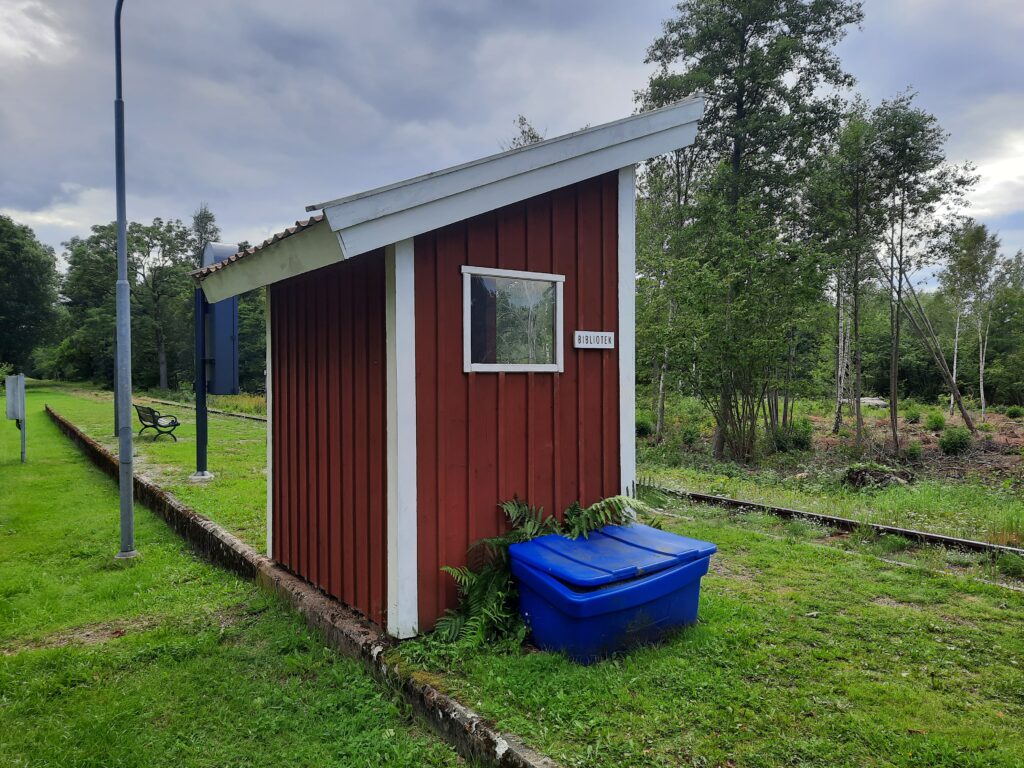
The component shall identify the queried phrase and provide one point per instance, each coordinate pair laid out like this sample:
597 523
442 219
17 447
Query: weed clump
1011 565
871 475
795 436
955 441
935 422
644 425
913 451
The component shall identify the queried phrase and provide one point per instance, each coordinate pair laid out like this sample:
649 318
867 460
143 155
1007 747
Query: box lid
615 553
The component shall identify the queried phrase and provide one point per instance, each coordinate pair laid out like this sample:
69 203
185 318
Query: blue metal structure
216 347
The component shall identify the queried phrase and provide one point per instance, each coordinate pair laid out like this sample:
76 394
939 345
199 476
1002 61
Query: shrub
6 369
986 426
644 425
912 414
660 455
935 422
1011 565
1015 412
955 440
913 451
689 434
795 436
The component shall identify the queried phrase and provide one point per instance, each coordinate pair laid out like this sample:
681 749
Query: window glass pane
512 321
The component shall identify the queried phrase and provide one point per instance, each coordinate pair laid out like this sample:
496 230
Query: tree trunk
982 354
837 369
718 443
956 357
926 333
161 357
659 426
858 369
894 362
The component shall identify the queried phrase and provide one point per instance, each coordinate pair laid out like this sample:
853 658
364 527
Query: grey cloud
259 107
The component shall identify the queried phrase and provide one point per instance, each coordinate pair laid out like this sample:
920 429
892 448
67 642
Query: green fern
615 510
488 611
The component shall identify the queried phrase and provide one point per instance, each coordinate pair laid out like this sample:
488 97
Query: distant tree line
808 244
62 325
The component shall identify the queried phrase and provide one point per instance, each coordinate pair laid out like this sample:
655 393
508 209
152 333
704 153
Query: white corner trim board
627 327
403 589
270 431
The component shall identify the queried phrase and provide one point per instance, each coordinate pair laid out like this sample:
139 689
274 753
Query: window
512 321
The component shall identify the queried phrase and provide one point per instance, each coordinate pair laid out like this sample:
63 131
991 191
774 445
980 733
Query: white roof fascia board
296 254
393 198
375 233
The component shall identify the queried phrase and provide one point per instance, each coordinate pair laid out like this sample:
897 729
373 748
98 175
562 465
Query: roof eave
397 212
310 248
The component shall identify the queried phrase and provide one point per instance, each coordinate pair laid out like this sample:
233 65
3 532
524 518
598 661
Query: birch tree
969 280
975 262
917 188
846 219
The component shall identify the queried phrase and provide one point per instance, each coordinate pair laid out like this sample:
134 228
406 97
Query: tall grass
964 510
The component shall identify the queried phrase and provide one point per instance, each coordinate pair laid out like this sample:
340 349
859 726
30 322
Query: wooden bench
151 419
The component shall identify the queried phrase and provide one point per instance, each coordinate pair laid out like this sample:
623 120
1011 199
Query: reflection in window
512 320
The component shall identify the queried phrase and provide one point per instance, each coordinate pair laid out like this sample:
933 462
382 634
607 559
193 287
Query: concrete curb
344 630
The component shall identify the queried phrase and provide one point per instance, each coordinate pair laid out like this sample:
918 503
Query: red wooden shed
439 345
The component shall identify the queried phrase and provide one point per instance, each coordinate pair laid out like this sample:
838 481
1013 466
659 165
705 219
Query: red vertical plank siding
377 448
348 450
550 438
330 473
334 453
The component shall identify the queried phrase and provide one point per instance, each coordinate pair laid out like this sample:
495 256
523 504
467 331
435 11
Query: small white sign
594 340
15 386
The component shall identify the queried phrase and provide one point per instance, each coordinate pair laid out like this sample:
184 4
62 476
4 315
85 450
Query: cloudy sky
260 107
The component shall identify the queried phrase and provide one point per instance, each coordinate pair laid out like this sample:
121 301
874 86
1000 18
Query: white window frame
467 343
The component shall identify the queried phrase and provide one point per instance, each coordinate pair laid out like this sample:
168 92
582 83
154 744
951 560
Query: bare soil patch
85 635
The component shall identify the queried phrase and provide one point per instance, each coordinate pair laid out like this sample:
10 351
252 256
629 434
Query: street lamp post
123 392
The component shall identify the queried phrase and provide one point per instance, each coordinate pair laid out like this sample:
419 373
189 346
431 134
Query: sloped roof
378 217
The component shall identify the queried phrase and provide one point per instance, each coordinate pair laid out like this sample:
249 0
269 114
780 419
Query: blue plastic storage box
624 585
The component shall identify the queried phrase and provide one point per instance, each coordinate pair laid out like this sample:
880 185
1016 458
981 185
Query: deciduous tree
28 292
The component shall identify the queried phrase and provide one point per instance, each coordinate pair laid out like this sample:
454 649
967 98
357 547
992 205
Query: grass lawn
810 650
804 654
237 499
164 660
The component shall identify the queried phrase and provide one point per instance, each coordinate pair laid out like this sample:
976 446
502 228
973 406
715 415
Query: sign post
202 474
216 345
16 405
124 319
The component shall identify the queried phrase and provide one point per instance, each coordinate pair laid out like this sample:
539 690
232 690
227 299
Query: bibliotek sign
594 340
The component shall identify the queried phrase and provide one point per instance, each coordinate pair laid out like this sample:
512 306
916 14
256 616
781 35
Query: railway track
832 521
